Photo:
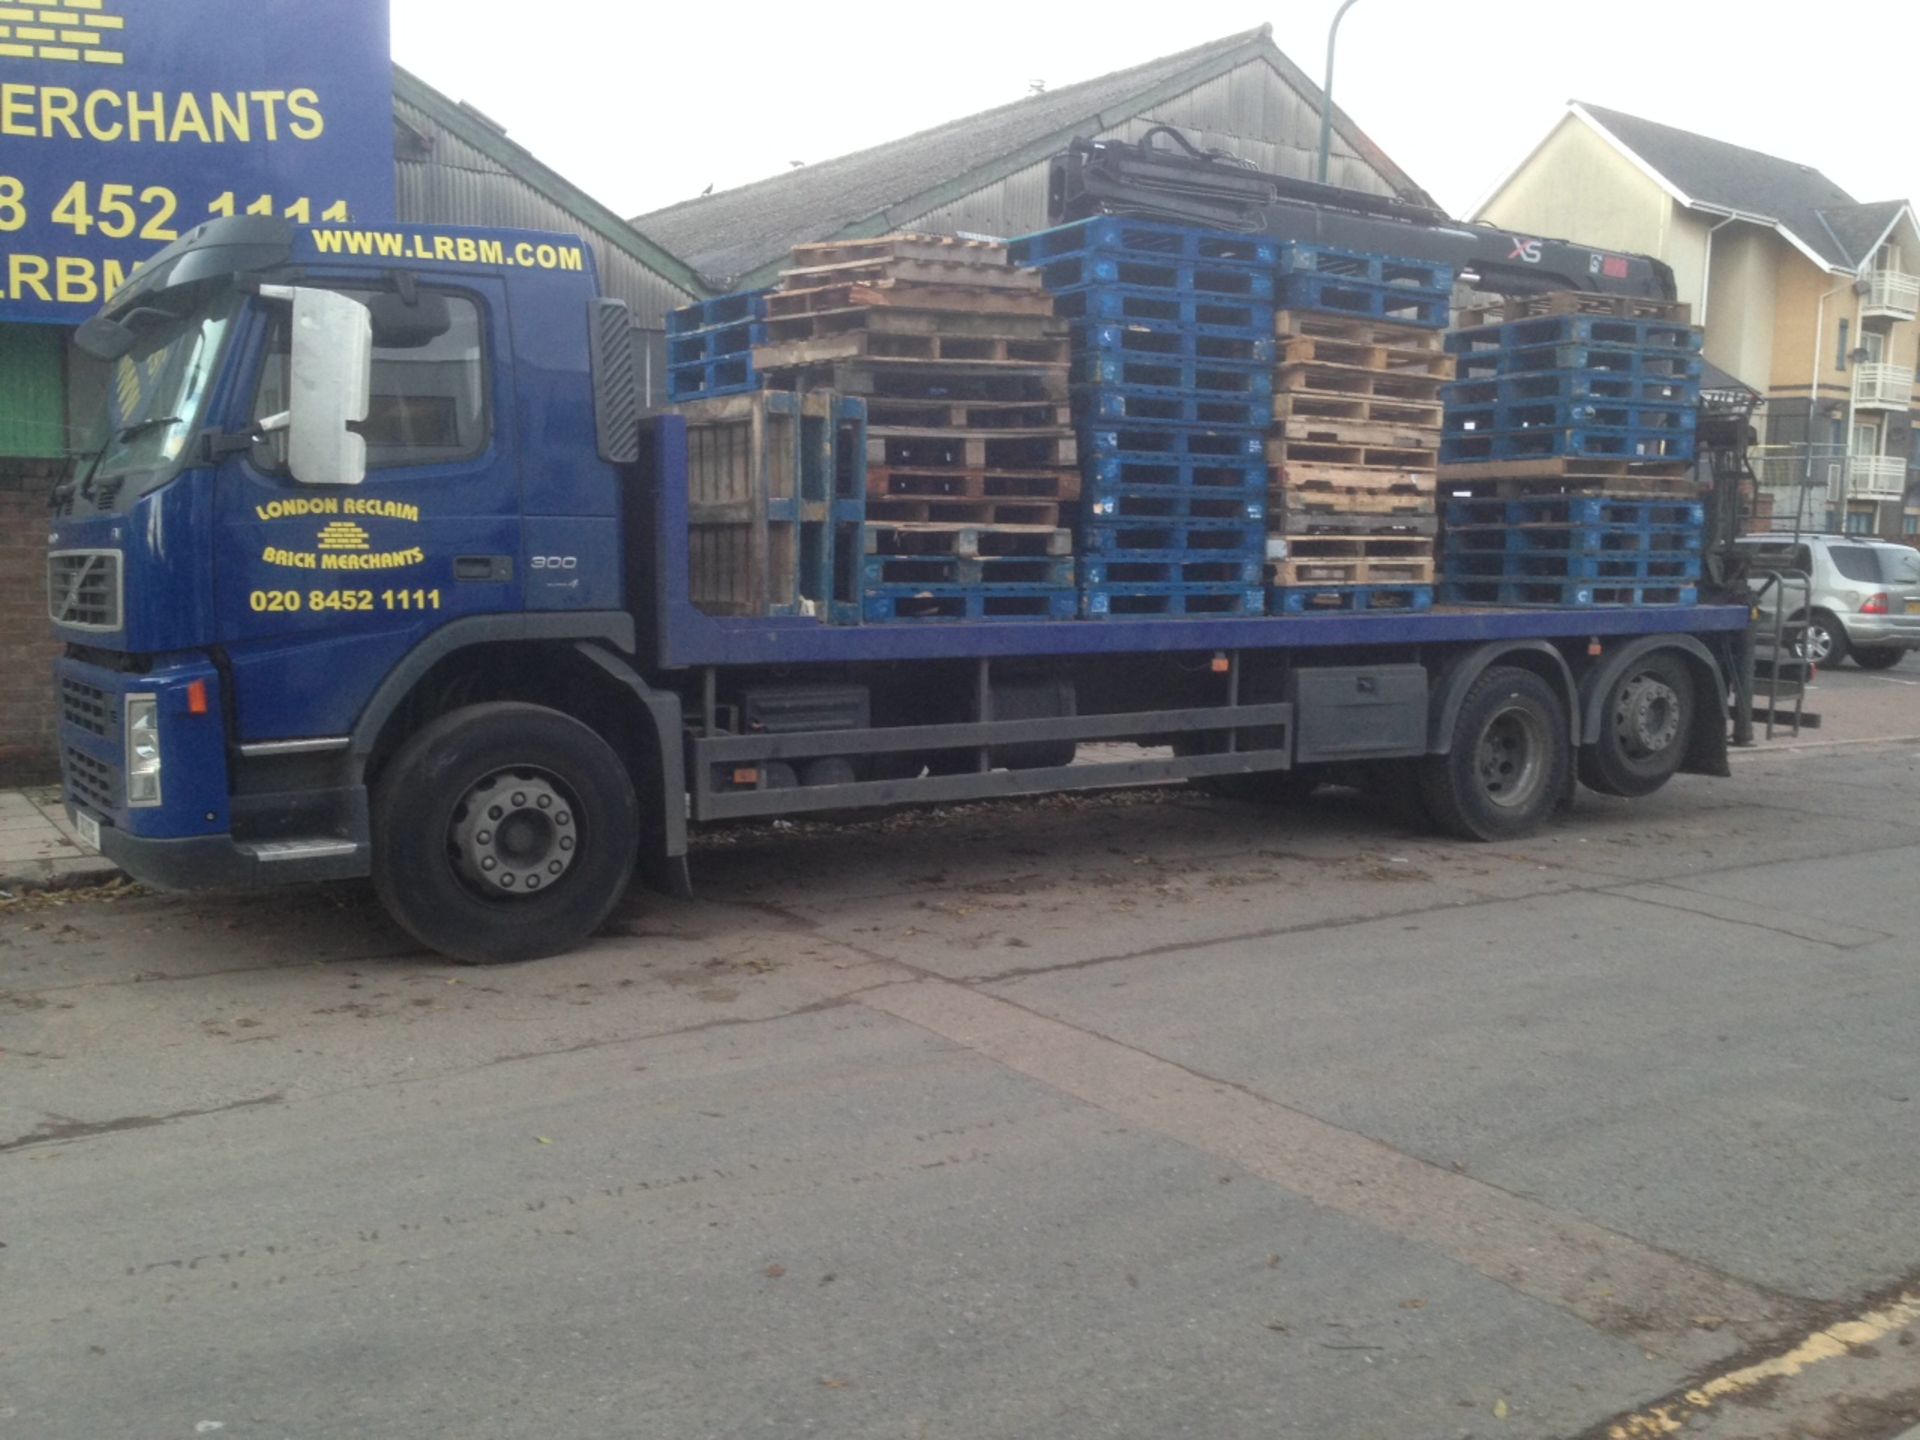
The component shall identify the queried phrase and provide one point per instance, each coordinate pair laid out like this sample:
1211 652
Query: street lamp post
1326 94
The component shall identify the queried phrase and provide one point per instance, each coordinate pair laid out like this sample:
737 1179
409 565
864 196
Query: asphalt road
1148 1116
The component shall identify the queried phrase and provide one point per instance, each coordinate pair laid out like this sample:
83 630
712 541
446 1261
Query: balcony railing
1876 477
1883 387
1891 293
1830 478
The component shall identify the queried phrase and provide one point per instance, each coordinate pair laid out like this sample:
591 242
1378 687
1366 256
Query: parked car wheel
1826 641
1881 658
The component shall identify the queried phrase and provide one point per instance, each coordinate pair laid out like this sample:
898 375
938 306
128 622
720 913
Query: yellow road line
1832 1343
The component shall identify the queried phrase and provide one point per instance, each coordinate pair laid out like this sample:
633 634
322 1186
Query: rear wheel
1881 659
1646 720
1509 760
504 832
1825 642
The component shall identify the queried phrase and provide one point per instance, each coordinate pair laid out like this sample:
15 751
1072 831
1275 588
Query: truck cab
239 569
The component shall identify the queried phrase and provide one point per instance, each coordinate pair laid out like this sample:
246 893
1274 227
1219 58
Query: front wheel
1880 659
504 832
1509 761
1646 720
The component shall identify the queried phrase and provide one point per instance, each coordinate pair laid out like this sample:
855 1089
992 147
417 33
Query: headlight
143 750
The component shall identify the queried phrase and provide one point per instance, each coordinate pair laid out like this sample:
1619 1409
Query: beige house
1807 296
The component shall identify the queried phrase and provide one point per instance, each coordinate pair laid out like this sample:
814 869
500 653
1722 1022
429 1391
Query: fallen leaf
835 1384
543 1140
1279 1325
1709 1322
1273 1262
774 1272
1499 1409
1413 1304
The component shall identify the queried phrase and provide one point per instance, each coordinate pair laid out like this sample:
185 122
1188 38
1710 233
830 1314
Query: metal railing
1806 481
1891 292
1876 477
1883 386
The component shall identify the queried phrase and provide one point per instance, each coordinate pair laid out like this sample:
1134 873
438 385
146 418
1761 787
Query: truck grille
87 706
91 781
83 589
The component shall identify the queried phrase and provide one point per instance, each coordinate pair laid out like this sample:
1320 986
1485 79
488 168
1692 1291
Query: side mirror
330 379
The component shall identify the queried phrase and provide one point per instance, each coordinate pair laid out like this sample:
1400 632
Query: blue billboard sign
125 123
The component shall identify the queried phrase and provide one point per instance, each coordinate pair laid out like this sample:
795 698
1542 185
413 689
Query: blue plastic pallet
1308 291
1653 568
1602 330
1204 473
1546 443
1111 404
1148 272
1104 602
1304 257
1346 599
1242 379
1598 385
716 342
720 310
1201 445
1563 414
1154 505
1583 510
927 604
1579 594
1202 538
1574 539
704 379
1167 567
1642 364
1197 314
1145 237
882 573
1159 340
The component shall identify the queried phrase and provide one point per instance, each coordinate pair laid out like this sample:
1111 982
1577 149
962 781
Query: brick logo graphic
82 32
344 535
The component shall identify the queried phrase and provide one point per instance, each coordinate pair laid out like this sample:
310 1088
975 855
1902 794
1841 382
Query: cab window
429 398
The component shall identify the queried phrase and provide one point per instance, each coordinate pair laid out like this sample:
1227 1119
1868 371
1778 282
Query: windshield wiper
140 427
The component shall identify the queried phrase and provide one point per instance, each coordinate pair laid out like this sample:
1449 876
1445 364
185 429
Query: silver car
1865 594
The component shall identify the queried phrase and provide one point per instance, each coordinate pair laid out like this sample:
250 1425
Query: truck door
321 589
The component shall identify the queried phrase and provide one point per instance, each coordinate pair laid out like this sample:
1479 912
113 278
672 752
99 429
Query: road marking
1774 747
1833 1343
1607 1279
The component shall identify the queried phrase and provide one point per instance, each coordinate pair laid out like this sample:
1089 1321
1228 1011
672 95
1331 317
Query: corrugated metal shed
987 172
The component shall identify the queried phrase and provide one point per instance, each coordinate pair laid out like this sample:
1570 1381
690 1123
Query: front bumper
218 862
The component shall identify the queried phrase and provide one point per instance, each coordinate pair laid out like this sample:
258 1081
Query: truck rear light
143 750
197 697
1876 604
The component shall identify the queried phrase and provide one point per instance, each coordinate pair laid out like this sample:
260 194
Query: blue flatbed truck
380 571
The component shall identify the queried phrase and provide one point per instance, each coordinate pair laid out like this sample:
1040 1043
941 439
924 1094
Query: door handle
494 569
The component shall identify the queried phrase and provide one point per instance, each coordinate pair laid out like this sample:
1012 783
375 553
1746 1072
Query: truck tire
504 832
1509 762
1646 721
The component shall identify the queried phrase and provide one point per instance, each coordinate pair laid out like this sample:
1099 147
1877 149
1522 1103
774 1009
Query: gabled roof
520 162
1809 210
731 235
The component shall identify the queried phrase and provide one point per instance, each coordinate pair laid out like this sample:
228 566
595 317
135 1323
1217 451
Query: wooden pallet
922 509
1313 378
1318 324
1302 475
1574 475
1336 431
1318 501
897 379
1371 457
895 295
900 482
1393 359
972 449
957 270
1415 518
930 349
1575 302
1357 545
1353 572
880 320
887 412
936 249
1388 410
966 542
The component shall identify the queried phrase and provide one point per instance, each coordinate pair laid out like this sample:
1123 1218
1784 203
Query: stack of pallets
1173 356
1356 431
970 463
710 346
1569 452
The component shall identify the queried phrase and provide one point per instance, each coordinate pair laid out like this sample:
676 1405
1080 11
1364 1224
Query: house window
1859 522
1910 525
1840 357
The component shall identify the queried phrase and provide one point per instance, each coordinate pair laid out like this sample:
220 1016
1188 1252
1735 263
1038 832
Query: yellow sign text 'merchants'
153 117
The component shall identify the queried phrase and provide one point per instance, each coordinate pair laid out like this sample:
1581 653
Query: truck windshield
155 395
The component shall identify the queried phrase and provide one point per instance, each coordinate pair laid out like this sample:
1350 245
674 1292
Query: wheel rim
1510 760
1646 717
1818 644
514 834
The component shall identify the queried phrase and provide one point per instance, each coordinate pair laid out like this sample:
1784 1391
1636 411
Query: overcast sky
643 104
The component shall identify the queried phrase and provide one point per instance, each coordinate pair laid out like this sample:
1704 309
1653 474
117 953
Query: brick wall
27 647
